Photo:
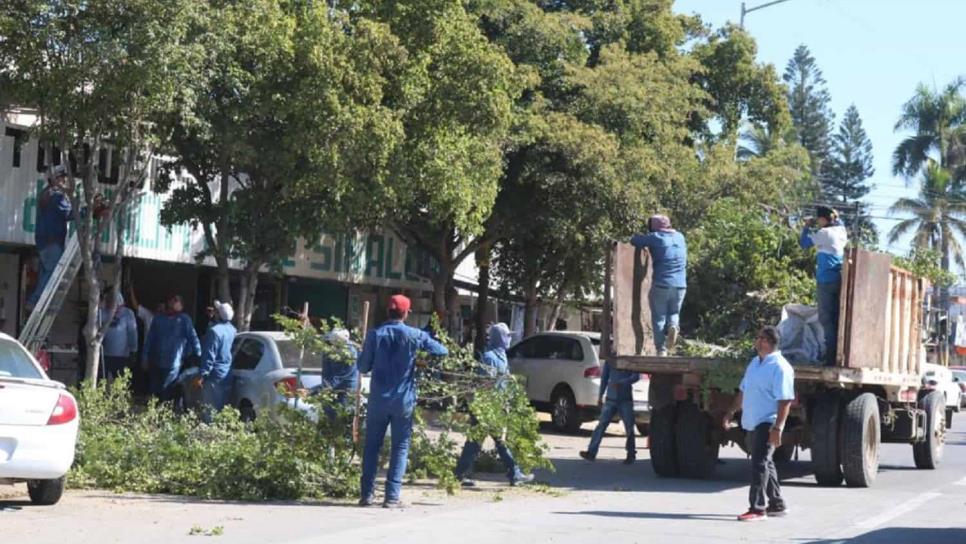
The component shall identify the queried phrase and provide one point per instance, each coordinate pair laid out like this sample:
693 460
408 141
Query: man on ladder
53 213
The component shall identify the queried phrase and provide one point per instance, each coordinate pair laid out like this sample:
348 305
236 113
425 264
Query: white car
562 374
261 363
38 425
940 378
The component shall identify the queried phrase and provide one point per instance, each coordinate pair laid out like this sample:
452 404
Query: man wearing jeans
390 353
669 255
619 400
53 213
766 395
828 235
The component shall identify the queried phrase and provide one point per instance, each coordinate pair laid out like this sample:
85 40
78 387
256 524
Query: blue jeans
214 396
381 415
49 257
471 450
626 410
828 317
164 382
665 311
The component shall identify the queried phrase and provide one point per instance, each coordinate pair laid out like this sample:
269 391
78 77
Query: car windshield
290 353
14 362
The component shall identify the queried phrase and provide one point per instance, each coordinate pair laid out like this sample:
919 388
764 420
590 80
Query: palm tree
938 215
759 141
938 121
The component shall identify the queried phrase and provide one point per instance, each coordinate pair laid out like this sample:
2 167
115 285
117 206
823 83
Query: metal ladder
41 319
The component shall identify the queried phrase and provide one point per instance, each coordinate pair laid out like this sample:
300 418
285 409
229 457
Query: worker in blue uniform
53 213
214 376
389 352
619 399
172 334
494 364
669 255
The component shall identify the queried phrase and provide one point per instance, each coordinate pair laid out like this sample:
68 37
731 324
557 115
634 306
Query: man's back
669 251
390 354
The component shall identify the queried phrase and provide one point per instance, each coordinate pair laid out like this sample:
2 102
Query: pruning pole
364 325
298 373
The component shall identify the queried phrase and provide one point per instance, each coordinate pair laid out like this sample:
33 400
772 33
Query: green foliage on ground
283 454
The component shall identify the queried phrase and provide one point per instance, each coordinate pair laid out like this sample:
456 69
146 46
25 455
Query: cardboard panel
631 278
868 321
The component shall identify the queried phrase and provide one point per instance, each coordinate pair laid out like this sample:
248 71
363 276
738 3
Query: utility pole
746 11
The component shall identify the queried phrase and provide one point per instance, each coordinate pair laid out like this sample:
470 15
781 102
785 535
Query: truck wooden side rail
841 413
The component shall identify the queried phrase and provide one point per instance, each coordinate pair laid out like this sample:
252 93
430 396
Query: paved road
600 502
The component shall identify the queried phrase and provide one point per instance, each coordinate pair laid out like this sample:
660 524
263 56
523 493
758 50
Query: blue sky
872 53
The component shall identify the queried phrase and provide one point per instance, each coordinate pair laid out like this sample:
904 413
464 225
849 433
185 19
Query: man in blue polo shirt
766 396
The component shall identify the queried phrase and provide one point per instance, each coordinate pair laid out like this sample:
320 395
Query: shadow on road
901 535
650 515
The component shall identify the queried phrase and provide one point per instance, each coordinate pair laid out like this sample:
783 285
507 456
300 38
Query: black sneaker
630 459
394 505
777 511
586 455
466 482
367 501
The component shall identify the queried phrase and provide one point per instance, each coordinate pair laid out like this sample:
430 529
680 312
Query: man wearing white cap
214 376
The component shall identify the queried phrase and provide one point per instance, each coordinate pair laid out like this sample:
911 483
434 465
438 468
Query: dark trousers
765 490
113 366
828 317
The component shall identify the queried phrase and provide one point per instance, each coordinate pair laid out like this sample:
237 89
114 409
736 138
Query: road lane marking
898 510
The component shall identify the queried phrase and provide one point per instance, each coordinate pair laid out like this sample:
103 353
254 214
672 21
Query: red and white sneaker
753 515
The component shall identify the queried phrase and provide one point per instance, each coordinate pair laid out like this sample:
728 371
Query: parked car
562 375
940 378
261 363
959 378
38 425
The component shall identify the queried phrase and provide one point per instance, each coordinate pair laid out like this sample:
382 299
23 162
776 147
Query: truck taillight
64 412
907 395
592 372
289 386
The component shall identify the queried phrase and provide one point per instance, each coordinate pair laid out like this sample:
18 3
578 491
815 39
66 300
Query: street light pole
746 11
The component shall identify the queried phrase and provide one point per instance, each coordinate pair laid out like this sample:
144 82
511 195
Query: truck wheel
860 441
564 416
697 451
929 452
825 441
664 458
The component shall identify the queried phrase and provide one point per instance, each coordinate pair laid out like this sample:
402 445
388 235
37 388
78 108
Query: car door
560 361
247 354
523 358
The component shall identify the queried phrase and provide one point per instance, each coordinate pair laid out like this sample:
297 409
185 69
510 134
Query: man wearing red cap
389 353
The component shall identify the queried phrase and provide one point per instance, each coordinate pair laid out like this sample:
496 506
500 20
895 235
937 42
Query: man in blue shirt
494 364
120 344
172 334
214 376
767 392
390 353
829 237
669 255
339 370
53 213
618 385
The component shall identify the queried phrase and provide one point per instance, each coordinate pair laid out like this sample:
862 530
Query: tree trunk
554 315
224 279
530 311
944 290
483 296
246 296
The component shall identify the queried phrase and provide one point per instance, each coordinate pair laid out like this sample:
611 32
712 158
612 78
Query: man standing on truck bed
669 254
765 398
829 240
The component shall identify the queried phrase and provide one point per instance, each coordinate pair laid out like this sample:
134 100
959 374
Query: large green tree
808 103
937 119
291 130
844 181
98 73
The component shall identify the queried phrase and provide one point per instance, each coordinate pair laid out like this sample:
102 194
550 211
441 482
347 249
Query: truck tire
697 450
46 492
860 441
664 459
825 441
565 417
929 452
